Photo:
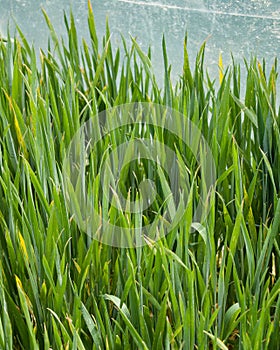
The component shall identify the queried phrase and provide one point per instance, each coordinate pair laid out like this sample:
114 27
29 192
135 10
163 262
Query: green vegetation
215 288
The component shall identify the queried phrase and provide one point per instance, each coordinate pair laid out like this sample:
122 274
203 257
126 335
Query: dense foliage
61 290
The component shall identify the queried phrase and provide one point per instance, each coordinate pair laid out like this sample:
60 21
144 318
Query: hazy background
241 27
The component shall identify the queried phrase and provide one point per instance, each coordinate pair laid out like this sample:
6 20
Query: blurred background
243 27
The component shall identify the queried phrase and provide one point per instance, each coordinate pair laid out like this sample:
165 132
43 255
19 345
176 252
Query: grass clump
60 289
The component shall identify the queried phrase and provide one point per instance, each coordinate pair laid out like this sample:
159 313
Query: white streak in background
189 9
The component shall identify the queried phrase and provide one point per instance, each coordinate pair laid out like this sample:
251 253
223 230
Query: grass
216 286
